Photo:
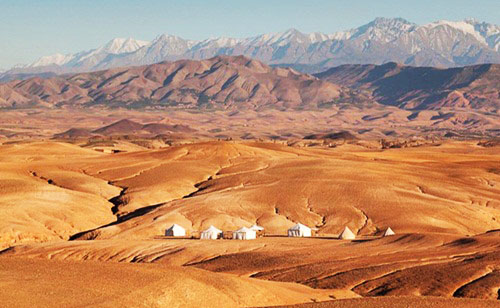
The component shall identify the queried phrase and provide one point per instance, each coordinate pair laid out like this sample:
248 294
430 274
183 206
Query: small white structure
389 232
299 230
212 233
175 230
347 234
256 228
244 234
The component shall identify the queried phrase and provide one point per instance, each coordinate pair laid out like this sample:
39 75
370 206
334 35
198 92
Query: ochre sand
398 302
441 201
50 283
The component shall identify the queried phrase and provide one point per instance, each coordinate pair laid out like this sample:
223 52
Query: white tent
175 230
257 228
211 233
244 234
347 234
389 232
299 230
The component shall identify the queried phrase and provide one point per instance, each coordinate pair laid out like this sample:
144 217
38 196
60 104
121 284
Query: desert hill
397 302
121 127
264 179
220 82
450 188
124 128
474 87
394 266
92 284
100 219
74 133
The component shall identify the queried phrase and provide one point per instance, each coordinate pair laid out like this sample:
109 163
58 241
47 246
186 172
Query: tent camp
244 234
389 232
299 230
211 233
175 230
257 228
347 234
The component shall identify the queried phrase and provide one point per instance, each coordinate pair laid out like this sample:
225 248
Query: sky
33 28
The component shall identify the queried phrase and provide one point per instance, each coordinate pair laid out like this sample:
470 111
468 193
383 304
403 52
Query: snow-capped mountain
441 43
286 37
491 33
88 59
57 59
119 45
381 29
163 47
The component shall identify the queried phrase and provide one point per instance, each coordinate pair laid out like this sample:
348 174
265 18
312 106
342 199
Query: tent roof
245 229
389 232
256 227
347 233
299 226
212 229
175 226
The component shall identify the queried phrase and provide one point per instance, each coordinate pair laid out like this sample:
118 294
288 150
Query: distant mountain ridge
238 82
440 44
219 82
423 88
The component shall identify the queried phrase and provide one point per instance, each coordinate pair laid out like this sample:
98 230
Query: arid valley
85 226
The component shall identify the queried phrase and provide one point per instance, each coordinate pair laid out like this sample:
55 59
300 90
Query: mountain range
238 82
423 88
439 44
220 82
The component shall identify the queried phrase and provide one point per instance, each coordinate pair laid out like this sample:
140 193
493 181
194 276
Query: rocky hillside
227 83
220 82
472 87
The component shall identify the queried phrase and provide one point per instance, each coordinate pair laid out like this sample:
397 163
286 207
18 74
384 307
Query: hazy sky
31 28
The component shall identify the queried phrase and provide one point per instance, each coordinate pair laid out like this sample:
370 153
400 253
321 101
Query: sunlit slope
452 188
104 284
398 302
43 198
54 190
430 264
